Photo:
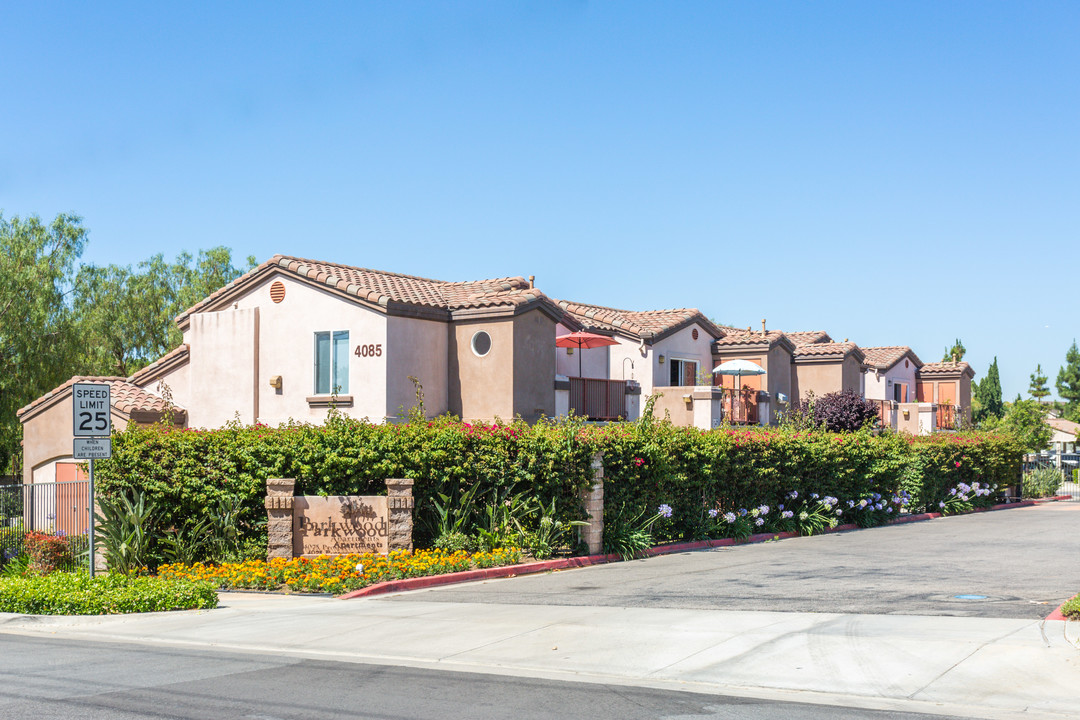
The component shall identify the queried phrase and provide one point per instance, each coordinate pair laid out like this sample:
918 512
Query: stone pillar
399 504
279 517
593 533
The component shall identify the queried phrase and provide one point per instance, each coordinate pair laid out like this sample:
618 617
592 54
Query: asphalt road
1024 560
52 678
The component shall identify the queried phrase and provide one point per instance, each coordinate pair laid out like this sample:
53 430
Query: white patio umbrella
738 368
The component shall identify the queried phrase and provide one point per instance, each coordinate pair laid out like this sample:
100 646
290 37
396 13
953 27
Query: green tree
37 340
1026 421
130 312
1068 383
955 353
1038 388
988 403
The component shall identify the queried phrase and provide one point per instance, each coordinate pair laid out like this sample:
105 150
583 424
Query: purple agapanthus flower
713 513
730 517
664 510
759 522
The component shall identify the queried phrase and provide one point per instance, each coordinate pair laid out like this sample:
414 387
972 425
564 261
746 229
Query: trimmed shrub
65 593
845 411
47 553
647 464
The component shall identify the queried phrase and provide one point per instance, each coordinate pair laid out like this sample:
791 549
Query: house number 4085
372 350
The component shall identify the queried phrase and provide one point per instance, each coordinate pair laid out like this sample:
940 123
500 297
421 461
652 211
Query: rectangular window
332 362
683 372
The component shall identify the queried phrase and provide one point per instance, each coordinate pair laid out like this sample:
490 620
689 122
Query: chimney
763 327
532 281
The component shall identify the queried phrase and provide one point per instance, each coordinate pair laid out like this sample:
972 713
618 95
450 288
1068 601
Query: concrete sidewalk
976 667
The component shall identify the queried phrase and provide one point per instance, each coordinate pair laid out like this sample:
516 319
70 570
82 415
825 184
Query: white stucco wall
879 386
222 368
680 345
286 347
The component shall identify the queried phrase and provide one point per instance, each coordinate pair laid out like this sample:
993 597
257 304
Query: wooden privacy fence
598 399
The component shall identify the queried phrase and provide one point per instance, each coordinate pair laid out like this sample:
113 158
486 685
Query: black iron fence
52 508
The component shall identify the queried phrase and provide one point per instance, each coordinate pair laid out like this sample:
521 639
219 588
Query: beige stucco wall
534 365
286 347
482 388
673 403
417 348
817 377
48 437
778 372
852 376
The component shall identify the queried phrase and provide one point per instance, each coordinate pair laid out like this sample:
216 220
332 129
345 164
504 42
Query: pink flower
639 461
957 463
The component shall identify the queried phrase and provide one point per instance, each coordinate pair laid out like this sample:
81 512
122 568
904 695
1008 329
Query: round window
481 343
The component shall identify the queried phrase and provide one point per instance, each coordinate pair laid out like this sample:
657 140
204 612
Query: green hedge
76 593
645 464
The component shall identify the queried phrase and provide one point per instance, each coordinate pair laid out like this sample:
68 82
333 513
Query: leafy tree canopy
1038 388
131 311
57 321
36 342
1026 421
955 353
1068 383
988 403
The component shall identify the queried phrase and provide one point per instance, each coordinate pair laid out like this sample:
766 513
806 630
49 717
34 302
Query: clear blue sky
894 173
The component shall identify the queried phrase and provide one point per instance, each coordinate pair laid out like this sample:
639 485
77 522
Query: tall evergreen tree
1038 388
955 353
1068 383
988 395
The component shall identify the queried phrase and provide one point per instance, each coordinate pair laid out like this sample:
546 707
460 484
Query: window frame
335 386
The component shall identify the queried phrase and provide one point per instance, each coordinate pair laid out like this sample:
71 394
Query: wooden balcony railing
598 399
740 406
946 417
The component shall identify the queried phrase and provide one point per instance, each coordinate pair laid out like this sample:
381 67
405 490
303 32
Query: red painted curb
1056 615
588 560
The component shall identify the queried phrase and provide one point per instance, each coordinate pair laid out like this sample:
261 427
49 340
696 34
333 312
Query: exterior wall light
661 359
275 382
569 351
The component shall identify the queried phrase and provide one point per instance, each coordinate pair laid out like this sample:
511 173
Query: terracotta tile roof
836 350
885 356
126 396
149 373
381 288
645 324
946 368
1063 425
808 337
742 337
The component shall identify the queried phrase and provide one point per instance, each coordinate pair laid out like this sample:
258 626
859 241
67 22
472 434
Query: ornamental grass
338 573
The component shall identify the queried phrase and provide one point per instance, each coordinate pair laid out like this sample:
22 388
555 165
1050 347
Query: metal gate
53 508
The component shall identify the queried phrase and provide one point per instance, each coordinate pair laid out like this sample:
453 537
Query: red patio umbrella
583 340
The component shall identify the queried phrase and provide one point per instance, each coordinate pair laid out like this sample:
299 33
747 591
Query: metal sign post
91 415
90 509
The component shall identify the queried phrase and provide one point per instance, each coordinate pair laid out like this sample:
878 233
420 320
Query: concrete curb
588 560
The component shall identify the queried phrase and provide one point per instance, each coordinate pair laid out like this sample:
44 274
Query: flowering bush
48 553
339 573
964 497
646 464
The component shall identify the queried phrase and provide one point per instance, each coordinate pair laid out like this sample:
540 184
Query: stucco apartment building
292 337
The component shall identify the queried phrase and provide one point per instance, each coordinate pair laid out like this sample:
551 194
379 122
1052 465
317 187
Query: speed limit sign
92 409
